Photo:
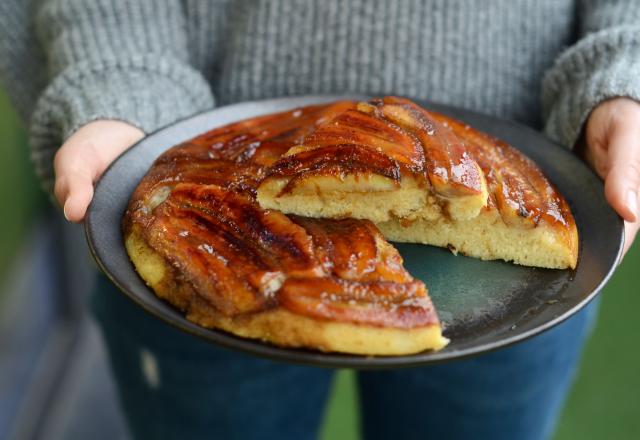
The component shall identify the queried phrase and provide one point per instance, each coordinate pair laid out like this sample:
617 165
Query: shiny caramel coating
196 208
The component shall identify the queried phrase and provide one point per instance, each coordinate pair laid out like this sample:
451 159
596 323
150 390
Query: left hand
612 147
82 159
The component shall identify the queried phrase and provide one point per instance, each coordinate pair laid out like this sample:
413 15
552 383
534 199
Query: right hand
82 159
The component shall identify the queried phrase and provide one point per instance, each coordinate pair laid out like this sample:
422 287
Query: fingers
82 160
623 178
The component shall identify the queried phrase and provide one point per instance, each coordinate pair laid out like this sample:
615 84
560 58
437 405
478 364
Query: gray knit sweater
545 63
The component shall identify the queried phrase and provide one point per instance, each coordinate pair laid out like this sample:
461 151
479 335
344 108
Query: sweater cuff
602 66
147 92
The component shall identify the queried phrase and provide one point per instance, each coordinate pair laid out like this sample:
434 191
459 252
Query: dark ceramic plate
484 305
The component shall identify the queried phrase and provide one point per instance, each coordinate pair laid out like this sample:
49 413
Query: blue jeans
175 386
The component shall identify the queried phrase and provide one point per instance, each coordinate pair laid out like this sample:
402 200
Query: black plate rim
335 360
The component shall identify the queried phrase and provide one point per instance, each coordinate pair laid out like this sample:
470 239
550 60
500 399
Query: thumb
75 170
79 197
623 179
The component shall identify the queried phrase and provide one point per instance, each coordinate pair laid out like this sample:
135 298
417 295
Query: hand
612 148
83 158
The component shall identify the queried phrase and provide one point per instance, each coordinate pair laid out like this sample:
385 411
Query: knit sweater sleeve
605 63
112 59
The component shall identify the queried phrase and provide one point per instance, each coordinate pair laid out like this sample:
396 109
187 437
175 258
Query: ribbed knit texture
150 62
604 64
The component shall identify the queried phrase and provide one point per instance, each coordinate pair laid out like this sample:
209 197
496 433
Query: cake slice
331 285
426 178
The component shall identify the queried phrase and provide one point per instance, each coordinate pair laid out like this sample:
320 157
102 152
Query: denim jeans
175 386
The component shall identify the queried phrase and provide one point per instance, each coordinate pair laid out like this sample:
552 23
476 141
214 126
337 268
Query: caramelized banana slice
521 192
362 129
354 250
356 165
453 173
235 254
378 303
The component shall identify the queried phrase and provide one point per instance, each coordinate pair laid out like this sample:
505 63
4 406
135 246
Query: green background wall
20 196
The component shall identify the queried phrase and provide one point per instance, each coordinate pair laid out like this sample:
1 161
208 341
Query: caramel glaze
448 166
517 187
387 137
196 208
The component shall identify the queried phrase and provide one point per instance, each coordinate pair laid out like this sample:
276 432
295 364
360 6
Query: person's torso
487 55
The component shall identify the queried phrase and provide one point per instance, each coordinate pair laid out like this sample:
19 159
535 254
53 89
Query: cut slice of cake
331 285
426 178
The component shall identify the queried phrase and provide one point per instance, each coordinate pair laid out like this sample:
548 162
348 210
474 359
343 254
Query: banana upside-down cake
275 227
